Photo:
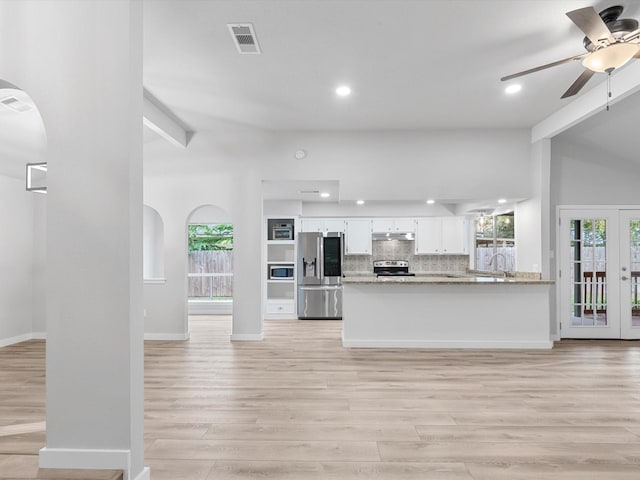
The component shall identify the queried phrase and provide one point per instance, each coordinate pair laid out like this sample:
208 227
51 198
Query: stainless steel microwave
283 232
281 272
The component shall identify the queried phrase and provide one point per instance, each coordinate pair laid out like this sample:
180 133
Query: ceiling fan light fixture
610 57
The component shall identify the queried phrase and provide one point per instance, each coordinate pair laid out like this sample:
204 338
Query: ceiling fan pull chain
609 70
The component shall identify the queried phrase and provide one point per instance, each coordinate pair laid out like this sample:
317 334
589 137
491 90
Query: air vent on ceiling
244 37
307 192
14 104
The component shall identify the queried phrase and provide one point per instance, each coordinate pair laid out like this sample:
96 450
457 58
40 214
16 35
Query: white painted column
82 64
533 215
247 269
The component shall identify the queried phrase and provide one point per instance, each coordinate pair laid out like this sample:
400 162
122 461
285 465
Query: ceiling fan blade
588 20
580 82
543 67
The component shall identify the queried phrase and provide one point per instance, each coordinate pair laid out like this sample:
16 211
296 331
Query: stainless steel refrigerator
320 275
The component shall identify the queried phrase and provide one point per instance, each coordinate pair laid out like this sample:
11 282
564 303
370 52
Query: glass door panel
588 272
586 262
630 273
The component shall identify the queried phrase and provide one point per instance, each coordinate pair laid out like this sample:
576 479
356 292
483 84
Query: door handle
624 278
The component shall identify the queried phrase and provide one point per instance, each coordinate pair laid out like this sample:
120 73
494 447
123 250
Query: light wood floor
299 406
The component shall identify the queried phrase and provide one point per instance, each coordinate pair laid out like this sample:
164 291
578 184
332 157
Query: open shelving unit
280 294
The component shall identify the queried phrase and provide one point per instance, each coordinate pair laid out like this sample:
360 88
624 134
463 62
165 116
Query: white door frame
615 213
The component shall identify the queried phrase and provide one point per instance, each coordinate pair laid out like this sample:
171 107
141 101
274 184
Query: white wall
70 57
587 176
16 261
226 167
39 265
152 244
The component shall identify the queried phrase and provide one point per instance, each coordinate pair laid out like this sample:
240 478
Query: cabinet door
382 225
333 225
405 225
358 237
311 225
428 236
454 236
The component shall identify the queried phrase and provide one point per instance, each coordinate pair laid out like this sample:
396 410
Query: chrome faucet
504 260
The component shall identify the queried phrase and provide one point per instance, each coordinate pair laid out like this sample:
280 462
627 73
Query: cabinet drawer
280 306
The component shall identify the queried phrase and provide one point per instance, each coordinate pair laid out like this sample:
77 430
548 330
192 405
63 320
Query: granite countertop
449 278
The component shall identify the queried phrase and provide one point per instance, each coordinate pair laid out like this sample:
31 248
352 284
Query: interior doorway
209 262
599 273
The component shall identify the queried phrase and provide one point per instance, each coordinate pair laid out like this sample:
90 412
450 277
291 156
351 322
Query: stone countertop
445 279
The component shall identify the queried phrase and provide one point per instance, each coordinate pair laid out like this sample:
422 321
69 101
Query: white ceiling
411 64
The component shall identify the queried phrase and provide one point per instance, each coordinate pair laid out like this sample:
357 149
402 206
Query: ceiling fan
610 43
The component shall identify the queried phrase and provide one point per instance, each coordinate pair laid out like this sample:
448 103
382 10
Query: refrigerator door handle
319 252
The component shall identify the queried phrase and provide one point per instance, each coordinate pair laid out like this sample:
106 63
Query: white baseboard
91 459
446 344
39 335
145 474
5 342
247 337
72 458
167 336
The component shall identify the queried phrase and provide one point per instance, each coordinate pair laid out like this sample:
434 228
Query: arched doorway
209 261
23 141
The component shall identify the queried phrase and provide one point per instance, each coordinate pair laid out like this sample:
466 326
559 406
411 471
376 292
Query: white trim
447 344
247 337
39 336
79 458
157 117
155 281
145 474
167 336
5 342
626 82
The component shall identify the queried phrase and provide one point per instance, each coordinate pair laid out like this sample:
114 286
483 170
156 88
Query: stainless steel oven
283 231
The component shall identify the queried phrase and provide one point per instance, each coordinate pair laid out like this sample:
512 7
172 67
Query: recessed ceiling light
343 91
325 194
431 202
502 200
360 202
513 88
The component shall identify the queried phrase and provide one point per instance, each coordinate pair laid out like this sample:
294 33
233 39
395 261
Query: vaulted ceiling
411 64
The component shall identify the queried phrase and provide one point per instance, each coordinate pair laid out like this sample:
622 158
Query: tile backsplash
403 250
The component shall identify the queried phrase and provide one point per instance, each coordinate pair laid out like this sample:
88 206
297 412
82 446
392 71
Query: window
495 242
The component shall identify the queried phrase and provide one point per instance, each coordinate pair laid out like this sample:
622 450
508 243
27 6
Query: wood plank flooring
299 406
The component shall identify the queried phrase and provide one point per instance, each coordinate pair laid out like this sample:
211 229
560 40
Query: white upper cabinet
322 225
405 225
358 237
442 235
455 235
391 225
428 236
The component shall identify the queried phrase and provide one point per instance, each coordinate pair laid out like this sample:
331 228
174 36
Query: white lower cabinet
442 235
280 307
358 237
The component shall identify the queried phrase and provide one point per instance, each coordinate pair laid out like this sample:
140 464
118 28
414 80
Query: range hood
393 236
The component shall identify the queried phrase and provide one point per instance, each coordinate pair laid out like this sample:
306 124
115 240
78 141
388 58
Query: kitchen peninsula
456 311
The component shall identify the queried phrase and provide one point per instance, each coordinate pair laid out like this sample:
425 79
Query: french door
630 273
599 273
